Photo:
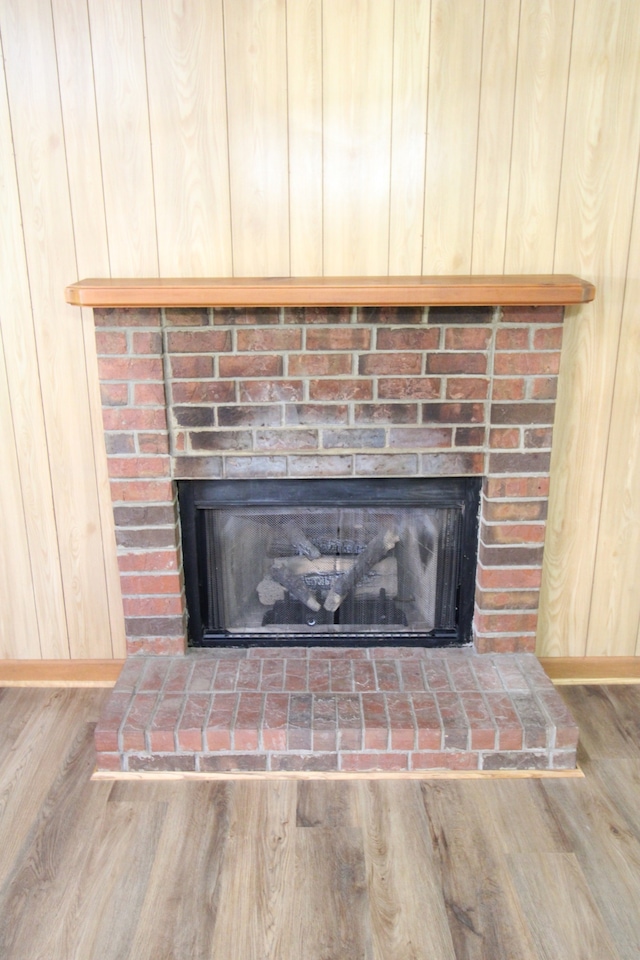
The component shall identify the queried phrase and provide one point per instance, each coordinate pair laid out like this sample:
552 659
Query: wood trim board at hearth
585 670
59 673
104 673
517 290
141 776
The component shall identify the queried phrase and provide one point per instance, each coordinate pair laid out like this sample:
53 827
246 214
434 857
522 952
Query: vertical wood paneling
408 134
19 634
495 130
598 186
23 420
32 83
256 58
107 522
357 79
304 91
188 115
81 140
539 114
452 134
272 137
84 168
123 122
615 602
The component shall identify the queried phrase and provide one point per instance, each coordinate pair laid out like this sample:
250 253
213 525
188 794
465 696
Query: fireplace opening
323 562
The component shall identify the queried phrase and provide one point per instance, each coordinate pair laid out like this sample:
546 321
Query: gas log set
346 571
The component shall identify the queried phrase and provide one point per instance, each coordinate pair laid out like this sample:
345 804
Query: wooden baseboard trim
170 775
104 673
59 673
566 670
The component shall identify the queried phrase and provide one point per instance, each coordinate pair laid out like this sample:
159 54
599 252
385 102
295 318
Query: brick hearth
328 709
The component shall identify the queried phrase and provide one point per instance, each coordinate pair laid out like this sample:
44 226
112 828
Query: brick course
310 392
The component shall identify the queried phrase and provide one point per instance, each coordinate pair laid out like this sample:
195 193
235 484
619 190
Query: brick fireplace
420 383
330 392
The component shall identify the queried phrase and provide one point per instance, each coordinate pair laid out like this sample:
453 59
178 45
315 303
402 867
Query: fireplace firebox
320 561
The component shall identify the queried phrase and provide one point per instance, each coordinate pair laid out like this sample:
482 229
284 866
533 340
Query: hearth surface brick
328 709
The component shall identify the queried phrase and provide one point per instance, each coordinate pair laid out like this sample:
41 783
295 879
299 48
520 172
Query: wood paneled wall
310 137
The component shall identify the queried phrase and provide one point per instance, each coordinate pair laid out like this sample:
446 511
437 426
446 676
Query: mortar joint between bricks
494 722
166 374
232 721
125 714
466 717
449 674
551 723
125 717
147 732
414 720
491 351
263 707
441 721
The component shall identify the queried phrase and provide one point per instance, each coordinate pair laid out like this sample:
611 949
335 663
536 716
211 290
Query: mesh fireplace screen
357 560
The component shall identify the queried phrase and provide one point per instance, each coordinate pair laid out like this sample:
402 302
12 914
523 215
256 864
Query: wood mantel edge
534 290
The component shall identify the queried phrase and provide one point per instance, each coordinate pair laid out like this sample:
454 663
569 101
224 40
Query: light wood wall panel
615 602
594 224
452 135
256 59
411 30
495 133
304 92
81 139
276 137
602 350
544 49
188 113
38 137
357 76
84 168
18 618
24 429
120 81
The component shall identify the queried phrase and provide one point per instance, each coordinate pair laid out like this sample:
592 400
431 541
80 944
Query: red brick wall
134 412
330 392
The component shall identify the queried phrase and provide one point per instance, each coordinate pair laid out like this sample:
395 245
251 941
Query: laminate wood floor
315 870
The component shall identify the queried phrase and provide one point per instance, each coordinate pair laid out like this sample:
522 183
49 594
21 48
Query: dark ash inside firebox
329 561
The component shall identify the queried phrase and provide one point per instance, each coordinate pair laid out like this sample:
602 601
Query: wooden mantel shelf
537 290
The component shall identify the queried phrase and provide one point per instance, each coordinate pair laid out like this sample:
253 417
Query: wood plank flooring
320 870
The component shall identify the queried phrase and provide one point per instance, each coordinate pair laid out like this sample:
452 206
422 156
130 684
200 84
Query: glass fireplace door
358 560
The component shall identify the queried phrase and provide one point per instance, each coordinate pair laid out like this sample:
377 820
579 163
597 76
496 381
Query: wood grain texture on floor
377 869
